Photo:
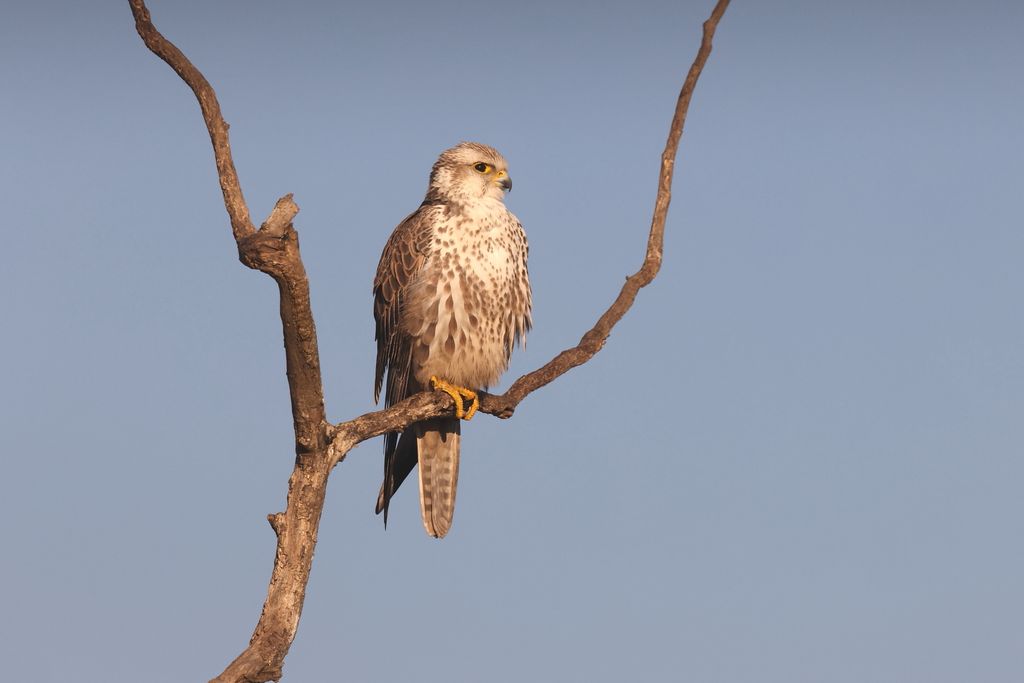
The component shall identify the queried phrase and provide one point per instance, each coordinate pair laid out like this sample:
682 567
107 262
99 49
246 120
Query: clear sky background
798 458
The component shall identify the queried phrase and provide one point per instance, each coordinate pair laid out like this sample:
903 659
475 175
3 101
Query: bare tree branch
273 249
241 224
319 446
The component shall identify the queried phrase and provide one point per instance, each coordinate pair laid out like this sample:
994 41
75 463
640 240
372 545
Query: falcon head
470 171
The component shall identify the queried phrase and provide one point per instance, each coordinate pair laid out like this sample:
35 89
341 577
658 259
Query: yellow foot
458 393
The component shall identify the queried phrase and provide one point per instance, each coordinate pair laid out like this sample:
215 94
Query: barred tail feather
437 444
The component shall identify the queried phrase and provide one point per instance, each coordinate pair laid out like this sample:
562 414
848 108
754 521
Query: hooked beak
504 182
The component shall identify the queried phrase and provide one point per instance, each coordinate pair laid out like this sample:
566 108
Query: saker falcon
450 300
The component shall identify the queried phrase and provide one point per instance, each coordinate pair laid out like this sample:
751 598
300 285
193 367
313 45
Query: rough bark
319 446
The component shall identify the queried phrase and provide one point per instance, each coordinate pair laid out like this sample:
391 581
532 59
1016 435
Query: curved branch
346 435
593 341
241 224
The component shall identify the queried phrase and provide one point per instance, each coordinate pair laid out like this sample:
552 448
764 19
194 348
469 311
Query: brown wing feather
400 262
403 256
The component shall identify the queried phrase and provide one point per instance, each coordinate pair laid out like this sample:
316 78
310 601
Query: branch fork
319 445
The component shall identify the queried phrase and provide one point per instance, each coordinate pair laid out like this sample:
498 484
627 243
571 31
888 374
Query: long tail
434 444
437 442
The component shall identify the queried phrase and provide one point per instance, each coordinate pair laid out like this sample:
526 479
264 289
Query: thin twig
241 224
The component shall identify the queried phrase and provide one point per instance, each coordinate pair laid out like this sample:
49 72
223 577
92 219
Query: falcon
450 299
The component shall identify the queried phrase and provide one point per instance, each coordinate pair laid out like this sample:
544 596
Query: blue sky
798 458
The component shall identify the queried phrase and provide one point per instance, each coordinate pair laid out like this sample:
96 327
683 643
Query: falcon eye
482 167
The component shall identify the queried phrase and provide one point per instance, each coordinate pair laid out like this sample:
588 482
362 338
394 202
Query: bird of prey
450 299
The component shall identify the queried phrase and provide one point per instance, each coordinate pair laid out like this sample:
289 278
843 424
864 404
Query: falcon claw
458 394
473 407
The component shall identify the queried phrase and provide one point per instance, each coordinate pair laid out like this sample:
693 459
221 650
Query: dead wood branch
319 446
